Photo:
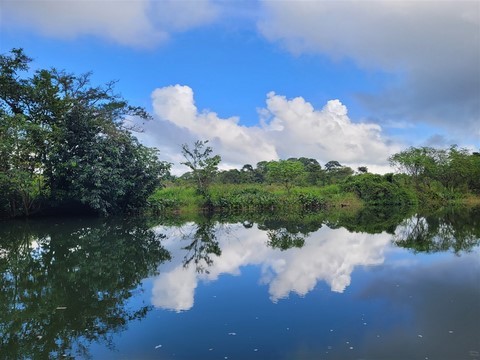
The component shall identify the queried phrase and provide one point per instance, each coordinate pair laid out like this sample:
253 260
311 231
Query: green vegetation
379 190
425 177
203 165
65 145
439 175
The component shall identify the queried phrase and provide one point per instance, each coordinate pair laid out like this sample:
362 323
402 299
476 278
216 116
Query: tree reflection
456 231
204 243
283 239
65 285
370 219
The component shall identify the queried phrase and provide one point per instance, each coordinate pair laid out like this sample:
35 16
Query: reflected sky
342 295
210 290
328 255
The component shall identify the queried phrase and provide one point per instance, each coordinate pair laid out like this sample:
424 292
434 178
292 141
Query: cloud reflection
328 255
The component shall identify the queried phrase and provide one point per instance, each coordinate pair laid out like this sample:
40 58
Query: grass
251 197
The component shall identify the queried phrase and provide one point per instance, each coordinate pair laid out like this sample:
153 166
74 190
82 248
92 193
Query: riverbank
258 197
221 198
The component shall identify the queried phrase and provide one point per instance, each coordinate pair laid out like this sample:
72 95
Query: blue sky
353 81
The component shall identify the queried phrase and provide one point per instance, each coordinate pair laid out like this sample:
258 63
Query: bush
379 190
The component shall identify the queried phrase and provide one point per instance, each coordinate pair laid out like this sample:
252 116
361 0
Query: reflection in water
315 252
283 239
456 231
203 245
434 310
71 284
64 285
326 255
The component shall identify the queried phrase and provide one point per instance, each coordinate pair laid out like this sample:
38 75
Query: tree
336 172
419 163
204 166
313 170
249 174
332 165
65 142
232 176
285 172
450 171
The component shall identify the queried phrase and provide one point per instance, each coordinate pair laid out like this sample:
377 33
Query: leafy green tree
249 174
439 172
21 186
377 189
66 142
285 172
336 172
332 165
232 176
313 170
419 163
203 164
261 171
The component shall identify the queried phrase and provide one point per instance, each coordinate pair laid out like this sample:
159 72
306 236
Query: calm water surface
373 286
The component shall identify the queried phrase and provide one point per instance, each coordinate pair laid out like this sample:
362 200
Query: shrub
378 189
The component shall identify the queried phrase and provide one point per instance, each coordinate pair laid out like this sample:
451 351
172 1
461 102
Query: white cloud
175 290
289 128
433 48
140 23
328 255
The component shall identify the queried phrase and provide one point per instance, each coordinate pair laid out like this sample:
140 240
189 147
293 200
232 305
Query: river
376 285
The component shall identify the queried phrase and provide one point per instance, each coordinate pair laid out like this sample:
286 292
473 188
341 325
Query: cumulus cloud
288 128
140 23
326 256
431 47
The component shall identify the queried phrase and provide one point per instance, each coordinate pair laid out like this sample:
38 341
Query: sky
350 80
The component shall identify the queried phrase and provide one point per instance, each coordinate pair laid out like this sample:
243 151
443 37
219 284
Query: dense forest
65 147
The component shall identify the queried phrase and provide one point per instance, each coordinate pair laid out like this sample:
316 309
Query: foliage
65 141
285 172
335 173
441 174
204 166
244 198
378 189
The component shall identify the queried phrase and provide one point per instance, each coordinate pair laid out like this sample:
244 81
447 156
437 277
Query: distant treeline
423 175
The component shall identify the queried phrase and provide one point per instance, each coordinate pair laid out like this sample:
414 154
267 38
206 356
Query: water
373 285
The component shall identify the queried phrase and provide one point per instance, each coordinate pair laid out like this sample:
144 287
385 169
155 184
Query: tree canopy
64 141
203 164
